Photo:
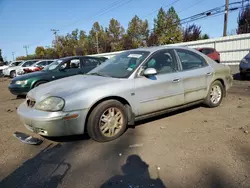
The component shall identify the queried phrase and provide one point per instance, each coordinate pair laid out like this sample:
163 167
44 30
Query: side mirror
149 72
62 69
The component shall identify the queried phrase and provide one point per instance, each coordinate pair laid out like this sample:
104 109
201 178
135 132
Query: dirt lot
195 147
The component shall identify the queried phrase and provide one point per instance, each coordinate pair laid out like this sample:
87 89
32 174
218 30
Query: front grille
30 102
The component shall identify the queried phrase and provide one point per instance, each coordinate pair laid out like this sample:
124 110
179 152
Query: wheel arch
223 84
38 80
121 100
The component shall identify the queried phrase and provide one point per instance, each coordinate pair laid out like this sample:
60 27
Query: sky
29 22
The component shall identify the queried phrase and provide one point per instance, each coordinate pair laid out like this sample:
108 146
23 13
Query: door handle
176 80
209 73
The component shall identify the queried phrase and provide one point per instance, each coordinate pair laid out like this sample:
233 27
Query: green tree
204 36
50 53
167 27
137 32
244 21
66 45
97 39
191 33
115 32
40 52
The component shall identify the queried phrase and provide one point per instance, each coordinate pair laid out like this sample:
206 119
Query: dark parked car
60 68
245 66
210 52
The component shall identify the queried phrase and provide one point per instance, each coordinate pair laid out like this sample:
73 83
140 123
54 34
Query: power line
158 9
103 11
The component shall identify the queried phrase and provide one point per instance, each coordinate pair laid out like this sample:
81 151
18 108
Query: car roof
70 57
156 48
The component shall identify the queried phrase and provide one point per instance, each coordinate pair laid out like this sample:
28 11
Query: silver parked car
133 85
245 66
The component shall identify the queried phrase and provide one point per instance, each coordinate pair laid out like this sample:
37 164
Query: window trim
151 55
182 70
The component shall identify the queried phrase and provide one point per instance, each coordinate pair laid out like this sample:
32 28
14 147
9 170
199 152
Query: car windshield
121 65
27 63
53 65
16 63
247 56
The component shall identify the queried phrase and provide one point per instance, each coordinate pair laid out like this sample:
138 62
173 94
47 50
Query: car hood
3 67
31 75
66 86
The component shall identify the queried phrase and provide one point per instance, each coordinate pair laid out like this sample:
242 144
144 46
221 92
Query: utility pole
13 55
26 49
225 18
97 42
54 32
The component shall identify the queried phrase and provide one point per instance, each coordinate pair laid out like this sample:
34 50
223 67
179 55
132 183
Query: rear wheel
215 94
107 121
39 83
13 74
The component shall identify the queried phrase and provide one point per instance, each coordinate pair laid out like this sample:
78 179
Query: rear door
196 75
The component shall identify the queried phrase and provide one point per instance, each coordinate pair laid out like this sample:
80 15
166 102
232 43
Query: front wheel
215 95
13 74
242 76
107 121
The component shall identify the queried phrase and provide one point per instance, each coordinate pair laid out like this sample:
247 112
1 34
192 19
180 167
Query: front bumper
18 89
244 68
52 123
6 72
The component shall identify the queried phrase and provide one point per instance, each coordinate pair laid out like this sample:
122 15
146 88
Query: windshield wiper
98 74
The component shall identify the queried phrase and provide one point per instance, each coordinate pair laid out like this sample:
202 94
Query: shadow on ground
135 174
238 77
46 169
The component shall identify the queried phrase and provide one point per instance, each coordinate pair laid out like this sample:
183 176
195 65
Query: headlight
244 61
21 82
51 104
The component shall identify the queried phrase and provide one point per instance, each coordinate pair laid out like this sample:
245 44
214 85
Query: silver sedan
133 85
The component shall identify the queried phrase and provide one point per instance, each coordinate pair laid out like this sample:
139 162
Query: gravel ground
195 147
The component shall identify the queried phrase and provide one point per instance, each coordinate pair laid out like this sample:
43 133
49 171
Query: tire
95 121
242 76
209 101
39 83
13 74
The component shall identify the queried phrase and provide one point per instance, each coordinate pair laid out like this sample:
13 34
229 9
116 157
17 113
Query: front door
163 90
68 68
196 75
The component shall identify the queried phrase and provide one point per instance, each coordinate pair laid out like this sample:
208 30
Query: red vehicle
210 52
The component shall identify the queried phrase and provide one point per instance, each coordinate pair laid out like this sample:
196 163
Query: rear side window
93 62
190 60
207 51
42 63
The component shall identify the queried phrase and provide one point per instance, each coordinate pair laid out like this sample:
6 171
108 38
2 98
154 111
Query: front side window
163 61
190 60
121 65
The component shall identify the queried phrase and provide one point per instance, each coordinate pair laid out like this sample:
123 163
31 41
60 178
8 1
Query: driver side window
163 61
71 64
